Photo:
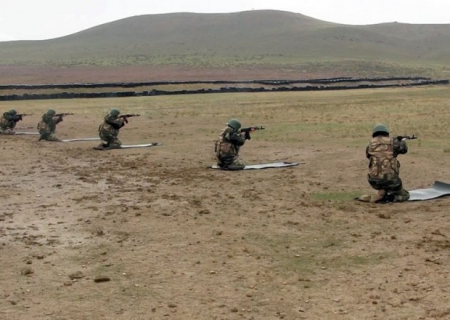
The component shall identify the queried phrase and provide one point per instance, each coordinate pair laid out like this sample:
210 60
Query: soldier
384 168
8 121
231 139
47 125
109 130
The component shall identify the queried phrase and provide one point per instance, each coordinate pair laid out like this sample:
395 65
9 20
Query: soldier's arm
367 152
116 123
9 117
400 147
236 138
17 118
57 119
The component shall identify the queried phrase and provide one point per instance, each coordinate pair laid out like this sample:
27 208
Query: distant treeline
320 84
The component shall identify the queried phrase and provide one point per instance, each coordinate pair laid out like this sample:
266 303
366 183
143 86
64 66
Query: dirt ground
179 241
16 74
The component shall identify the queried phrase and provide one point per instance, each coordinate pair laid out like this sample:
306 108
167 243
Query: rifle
400 138
250 129
129 115
64 114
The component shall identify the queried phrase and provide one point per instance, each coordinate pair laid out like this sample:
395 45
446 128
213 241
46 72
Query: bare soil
16 74
167 238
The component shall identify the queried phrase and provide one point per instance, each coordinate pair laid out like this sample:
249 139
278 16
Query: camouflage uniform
384 169
109 131
227 149
8 122
47 127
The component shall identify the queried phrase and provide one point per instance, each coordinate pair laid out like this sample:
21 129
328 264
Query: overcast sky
47 19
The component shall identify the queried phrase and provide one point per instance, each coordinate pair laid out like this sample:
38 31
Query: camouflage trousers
6 131
6 125
111 140
48 136
234 163
388 191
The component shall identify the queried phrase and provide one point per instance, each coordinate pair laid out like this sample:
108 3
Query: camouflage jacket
111 124
48 123
229 143
382 153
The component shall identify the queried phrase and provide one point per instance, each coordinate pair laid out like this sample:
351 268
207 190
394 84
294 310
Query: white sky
46 19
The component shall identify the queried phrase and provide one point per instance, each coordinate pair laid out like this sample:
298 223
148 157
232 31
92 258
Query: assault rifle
129 115
64 114
400 138
250 129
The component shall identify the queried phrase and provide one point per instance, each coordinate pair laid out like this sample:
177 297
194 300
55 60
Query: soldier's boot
220 164
102 146
372 199
364 198
379 197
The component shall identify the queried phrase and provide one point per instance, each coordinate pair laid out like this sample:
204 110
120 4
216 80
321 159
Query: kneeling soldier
47 126
8 121
384 168
227 147
109 130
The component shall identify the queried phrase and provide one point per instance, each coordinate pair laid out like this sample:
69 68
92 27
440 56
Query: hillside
265 40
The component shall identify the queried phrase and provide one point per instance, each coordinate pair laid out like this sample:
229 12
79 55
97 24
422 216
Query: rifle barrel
130 115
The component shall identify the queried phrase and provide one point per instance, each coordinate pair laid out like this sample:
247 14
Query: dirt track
179 241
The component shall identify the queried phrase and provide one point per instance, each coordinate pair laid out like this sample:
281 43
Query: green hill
263 39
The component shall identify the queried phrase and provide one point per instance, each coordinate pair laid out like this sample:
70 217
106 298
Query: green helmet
379 128
114 112
51 112
12 112
235 124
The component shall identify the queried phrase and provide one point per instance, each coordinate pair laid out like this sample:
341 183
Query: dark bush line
67 95
154 83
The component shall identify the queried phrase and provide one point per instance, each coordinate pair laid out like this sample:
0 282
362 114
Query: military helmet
235 124
380 128
114 112
51 112
12 112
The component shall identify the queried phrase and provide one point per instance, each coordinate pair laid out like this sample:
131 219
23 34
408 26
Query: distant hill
276 41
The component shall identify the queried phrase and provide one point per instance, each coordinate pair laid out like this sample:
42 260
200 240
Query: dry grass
181 242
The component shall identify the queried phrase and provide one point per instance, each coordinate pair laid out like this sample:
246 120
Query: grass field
277 42
179 241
